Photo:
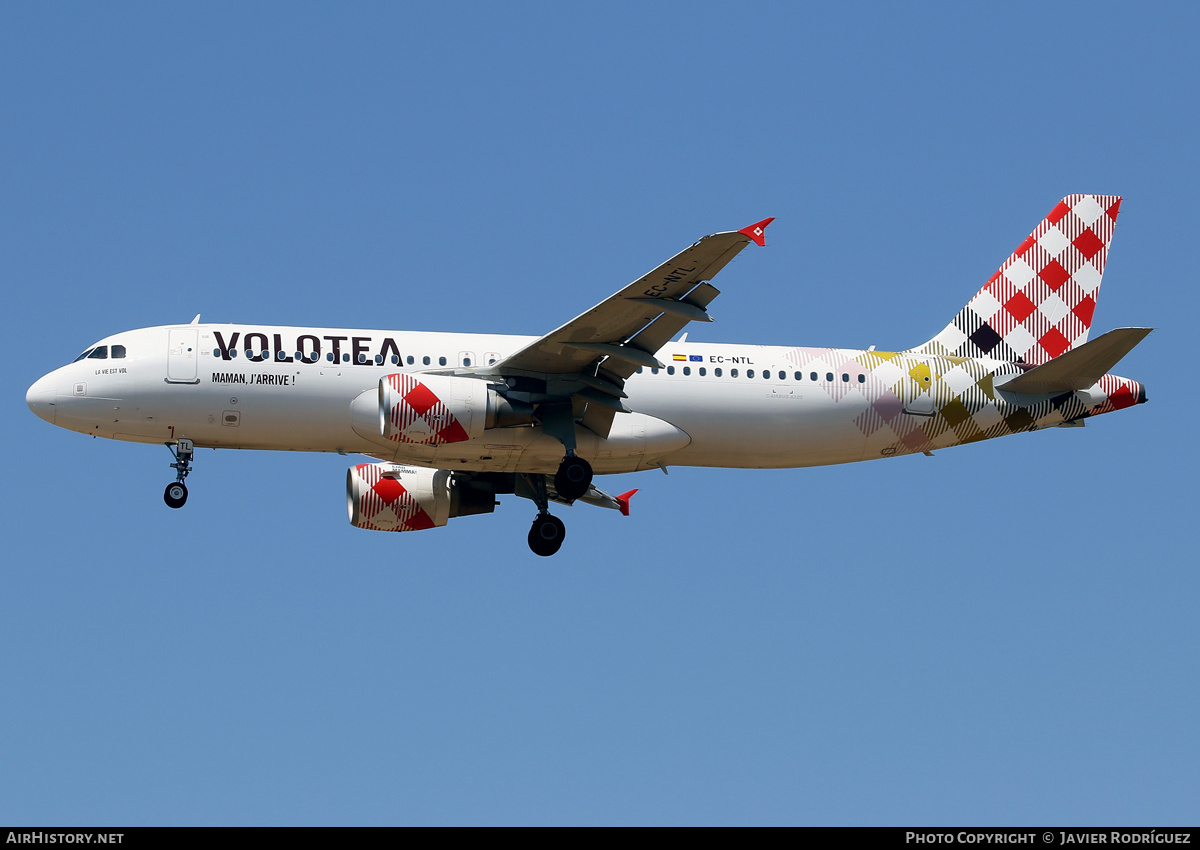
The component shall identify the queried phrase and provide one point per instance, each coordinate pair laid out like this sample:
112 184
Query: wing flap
679 308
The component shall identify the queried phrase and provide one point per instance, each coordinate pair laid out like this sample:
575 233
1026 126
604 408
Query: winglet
757 232
623 501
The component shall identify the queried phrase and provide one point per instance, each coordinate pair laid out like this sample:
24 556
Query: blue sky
1002 634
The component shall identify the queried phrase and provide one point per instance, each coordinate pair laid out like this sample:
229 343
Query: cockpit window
118 352
100 352
81 356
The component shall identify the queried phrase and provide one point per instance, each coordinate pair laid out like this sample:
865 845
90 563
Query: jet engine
397 497
433 410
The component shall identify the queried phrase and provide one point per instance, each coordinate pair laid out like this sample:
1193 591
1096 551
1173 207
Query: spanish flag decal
681 357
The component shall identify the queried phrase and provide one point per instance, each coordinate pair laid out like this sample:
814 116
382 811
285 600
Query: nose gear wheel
176 494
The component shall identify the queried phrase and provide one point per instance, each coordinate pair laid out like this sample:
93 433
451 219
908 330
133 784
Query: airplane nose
42 399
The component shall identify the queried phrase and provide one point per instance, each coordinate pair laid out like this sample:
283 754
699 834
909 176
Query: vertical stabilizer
1040 302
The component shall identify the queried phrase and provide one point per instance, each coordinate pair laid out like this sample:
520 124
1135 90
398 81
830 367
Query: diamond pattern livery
1047 289
385 505
418 416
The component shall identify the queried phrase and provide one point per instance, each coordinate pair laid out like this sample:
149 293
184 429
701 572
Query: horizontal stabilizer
1080 367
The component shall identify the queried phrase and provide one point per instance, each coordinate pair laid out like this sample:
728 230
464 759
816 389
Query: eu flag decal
696 358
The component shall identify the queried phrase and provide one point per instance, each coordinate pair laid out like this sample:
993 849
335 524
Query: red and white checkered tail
1040 302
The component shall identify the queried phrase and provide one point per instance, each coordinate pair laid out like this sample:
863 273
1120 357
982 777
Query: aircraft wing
625 330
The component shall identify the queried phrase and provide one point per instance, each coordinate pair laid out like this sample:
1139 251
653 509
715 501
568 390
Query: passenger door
182 356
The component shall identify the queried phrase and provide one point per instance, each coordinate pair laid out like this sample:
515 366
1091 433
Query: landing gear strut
176 493
548 532
574 475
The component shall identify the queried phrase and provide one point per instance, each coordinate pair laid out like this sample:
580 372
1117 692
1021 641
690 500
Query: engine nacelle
397 497
433 410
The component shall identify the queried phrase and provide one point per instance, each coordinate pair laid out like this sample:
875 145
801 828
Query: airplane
451 421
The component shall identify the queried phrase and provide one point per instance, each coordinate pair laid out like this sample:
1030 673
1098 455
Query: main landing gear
573 478
548 532
574 475
176 493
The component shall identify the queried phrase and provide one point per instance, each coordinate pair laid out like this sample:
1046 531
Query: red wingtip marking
757 232
623 501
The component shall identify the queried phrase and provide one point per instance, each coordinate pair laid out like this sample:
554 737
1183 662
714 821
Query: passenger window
717 371
100 352
749 373
702 372
653 371
845 378
378 359
640 369
410 360
329 357
733 373
425 360
767 374
441 361
118 352
862 379
829 376
466 361
670 370
395 360
814 376
687 370
799 376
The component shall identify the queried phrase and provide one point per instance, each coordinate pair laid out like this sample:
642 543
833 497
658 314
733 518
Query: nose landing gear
176 493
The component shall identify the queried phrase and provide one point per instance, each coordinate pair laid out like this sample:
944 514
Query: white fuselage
747 406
